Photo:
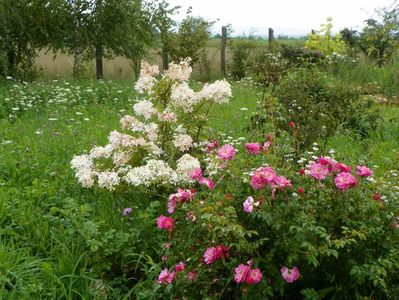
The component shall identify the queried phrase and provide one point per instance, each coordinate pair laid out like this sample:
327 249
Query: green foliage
268 68
318 105
242 49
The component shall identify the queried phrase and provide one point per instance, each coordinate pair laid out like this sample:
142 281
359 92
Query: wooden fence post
223 51
271 37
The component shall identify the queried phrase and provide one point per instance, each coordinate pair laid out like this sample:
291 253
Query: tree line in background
94 29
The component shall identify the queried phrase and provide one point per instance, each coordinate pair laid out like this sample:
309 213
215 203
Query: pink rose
253 148
208 182
254 276
226 152
166 277
210 255
340 167
192 275
249 204
290 275
211 145
281 182
195 174
180 267
262 176
165 222
318 171
241 273
345 180
363 171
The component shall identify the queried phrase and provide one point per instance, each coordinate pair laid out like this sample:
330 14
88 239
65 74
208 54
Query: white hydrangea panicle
121 158
185 165
183 97
108 180
131 123
218 92
153 150
167 116
183 142
118 140
83 166
82 162
146 80
152 132
101 152
85 177
155 171
181 71
145 108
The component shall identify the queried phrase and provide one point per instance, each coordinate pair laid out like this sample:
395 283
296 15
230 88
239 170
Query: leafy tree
379 39
190 39
350 37
324 41
103 28
25 27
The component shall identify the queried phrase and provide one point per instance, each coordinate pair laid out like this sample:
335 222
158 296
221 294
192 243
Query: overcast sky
289 17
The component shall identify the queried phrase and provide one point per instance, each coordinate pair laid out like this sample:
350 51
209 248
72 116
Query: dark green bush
311 105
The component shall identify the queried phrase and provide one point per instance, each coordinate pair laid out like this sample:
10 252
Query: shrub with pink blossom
289 227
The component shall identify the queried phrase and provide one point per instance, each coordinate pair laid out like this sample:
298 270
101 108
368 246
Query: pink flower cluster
289 275
196 174
212 254
244 273
165 223
343 179
267 176
180 197
255 148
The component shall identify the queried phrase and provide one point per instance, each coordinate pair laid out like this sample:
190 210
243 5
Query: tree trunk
77 62
99 61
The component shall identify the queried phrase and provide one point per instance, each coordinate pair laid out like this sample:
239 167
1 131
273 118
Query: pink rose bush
274 225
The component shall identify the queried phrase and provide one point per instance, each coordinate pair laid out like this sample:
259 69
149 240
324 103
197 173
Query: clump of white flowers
153 147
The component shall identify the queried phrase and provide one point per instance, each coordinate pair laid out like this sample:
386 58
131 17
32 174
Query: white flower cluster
218 92
146 80
144 154
181 71
183 142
